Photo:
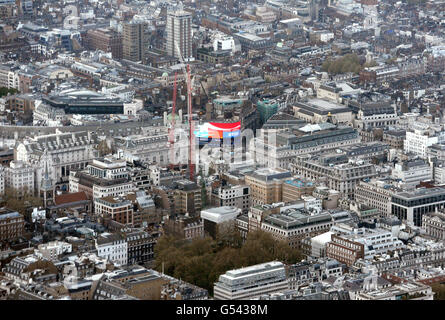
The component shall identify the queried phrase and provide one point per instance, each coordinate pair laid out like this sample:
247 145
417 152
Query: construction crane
172 129
186 73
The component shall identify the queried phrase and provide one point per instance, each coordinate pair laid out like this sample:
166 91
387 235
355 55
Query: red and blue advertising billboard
217 131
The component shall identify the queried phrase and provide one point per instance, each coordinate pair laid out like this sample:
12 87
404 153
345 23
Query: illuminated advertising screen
215 133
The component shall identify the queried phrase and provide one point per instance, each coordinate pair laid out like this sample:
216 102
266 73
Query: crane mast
172 129
187 76
191 165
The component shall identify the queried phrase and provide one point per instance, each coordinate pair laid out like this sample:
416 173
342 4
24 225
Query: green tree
347 63
228 235
20 201
325 66
202 261
439 290
5 91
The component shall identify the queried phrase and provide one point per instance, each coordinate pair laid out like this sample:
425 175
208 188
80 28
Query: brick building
344 250
12 225
105 40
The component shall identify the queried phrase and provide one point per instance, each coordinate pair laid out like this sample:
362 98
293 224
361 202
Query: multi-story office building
266 185
83 101
66 151
339 174
293 225
22 103
184 227
6 156
16 268
7 9
134 41
266 108
151 147
329 197
167 198
318 110
294 188
8 78
394 138
437 151
376 115
277 150
104 177
179 34
232 195
47 115
411 206
439 172
434 225
2 180
214 217
163 176
417 141
20 177
12 225
362 243
375 194
105 40
52 250
187 197
250 41
307 272
345 250
412 172
258 213
140 245
117 208
405 290
242 225
251 282
113 247
366 150
180 197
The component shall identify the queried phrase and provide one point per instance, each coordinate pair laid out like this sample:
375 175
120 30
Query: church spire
46 186
47 183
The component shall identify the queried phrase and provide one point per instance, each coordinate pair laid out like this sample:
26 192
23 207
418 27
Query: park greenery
20 201
439 290
201 261
345 64
5 91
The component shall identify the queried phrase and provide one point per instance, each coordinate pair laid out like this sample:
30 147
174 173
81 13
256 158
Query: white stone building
234 196
46 115
113 247
150 147
66 151
251 282
20 176
2 180
104 177
418 141
411 173
52 250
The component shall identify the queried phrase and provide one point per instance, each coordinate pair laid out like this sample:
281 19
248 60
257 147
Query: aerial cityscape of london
222 150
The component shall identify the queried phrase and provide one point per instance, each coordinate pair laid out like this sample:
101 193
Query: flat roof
220 214
253 269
